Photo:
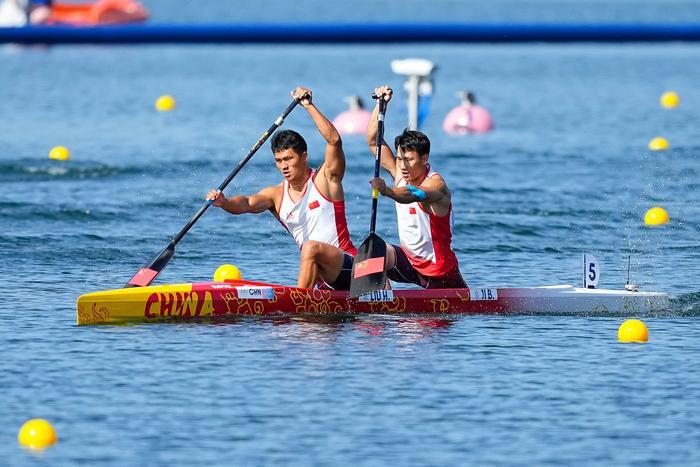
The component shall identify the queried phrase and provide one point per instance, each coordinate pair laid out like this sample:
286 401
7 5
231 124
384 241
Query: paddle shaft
149 272
368 269
377 162
235 171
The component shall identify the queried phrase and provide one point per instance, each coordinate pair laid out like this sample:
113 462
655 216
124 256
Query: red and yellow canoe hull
245 298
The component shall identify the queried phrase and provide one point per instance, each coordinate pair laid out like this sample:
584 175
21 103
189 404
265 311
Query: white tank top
315 217
426 238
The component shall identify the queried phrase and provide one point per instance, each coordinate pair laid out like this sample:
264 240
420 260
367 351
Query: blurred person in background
22 12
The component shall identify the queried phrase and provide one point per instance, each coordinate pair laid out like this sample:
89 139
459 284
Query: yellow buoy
165 103
37 434
633 330
670 100
227 272
658 144
656 216
59 153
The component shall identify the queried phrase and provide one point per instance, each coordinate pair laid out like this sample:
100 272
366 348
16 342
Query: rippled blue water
565 172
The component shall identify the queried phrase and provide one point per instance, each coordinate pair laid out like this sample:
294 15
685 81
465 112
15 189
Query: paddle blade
368 273
149 272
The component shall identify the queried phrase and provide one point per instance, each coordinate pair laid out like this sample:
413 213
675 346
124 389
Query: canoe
237 298
102 12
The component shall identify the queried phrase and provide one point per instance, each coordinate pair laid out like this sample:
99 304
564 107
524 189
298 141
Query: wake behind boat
236 298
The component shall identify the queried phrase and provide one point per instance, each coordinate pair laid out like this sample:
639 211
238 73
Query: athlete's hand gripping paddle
149 272
368 274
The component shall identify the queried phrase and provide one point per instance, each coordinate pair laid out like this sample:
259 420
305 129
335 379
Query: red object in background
102 12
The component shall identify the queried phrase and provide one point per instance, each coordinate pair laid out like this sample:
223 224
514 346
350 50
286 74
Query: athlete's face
291 164
412 165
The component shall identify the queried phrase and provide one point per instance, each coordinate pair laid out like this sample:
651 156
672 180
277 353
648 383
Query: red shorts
404 271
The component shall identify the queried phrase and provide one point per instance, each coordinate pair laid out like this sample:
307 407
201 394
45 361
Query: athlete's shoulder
434 178
272 191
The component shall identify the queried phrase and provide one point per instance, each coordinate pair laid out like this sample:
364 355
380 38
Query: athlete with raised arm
310 204
423 209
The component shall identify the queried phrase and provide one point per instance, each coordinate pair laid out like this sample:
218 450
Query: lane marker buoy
59 153
656 216
670 100
37 433
227 272
165 103
633 330
658 144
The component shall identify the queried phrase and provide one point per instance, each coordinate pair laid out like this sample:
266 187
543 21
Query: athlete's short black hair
412 140
287 139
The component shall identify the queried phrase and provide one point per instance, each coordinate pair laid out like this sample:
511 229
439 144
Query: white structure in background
468 117
355 120
13 13
419 84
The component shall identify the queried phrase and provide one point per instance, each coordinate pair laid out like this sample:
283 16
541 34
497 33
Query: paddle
368 273
149 272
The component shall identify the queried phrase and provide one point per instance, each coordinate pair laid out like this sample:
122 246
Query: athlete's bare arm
388 160
437 200
240 204
333 167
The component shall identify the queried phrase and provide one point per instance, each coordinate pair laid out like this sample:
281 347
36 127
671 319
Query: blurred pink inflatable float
467 117
353 121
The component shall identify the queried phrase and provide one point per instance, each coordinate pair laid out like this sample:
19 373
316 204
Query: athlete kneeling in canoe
423 210
310 204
